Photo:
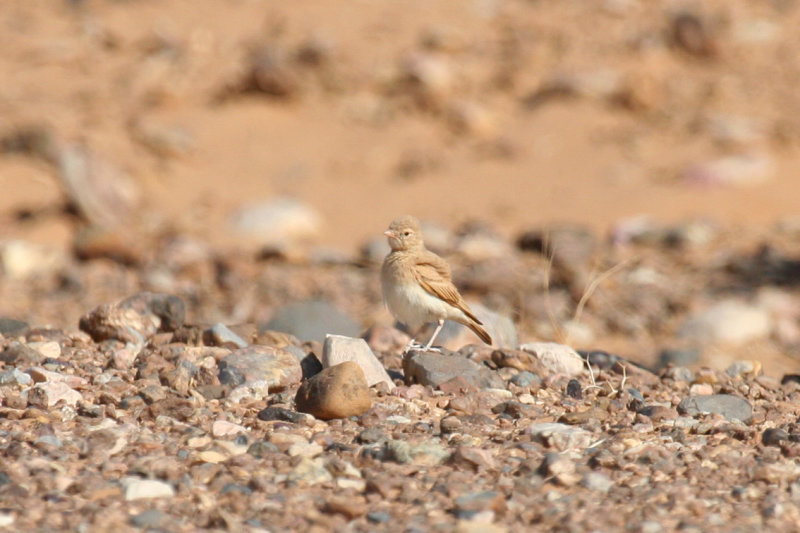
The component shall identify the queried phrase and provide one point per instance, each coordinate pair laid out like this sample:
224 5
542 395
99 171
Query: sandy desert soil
619 176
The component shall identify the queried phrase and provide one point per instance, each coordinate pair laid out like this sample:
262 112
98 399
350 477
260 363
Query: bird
417 285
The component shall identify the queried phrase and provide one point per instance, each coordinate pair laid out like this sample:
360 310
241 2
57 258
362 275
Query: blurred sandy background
513 112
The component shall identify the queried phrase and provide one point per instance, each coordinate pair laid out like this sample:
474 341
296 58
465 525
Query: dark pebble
774 436
280 413
790 378
574 389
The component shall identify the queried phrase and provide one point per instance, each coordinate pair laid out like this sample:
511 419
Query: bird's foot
436 349
412 345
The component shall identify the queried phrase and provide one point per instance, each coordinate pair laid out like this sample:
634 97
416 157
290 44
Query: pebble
338 349
149 519
140 489
310 471
426 453
275 366
526 379
313 321
560 468
281 223
434 369
15 377
562 437
223 428
729 321
48 394
557 358
774 436
339 391
597 482
743 368
304 449
280 413
731 407
574 389
221 335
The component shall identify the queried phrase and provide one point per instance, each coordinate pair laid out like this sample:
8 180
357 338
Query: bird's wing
433 274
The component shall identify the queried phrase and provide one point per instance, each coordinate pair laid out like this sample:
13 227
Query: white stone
223 428
338 349
305 449
558 358
47 349
140 489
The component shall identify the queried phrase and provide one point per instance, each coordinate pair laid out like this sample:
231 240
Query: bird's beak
388 233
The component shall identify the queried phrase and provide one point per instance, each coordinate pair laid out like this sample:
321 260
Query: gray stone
678 357
731 407
558 358
731 321
312 321
10 327
338 349
278 367
149 519
562 437
526 379
15 377
433 369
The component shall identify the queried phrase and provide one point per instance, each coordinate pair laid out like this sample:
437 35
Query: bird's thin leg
435 333
411 344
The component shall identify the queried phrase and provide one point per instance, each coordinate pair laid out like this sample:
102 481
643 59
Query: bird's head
404 234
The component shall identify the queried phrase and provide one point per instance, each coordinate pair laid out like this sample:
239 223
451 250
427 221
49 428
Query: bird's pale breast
407 300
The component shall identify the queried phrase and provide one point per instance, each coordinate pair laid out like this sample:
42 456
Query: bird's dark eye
406 233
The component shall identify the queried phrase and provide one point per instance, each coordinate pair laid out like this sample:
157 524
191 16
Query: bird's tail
479 331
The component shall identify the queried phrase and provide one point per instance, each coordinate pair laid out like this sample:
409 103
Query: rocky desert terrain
192 332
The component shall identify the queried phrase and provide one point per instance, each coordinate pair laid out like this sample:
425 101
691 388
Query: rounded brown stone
339 391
